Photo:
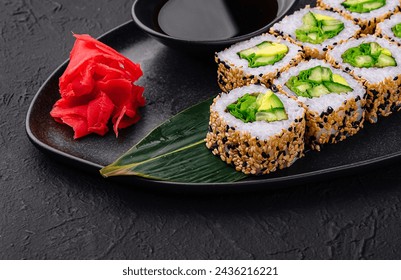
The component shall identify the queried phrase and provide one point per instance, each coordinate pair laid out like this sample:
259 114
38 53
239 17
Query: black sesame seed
274 88
210 128
264 155
320 125
374 92
224 140
325 119
335 44
290 129
325 49
258 144
227 128
330 110
395 78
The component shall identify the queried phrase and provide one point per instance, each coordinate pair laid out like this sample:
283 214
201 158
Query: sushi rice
288 25
257 147
234 72
332 117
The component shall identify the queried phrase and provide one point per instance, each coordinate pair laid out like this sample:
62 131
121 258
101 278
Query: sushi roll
316 30
257 60
390 29
365 13
377 63
256 130
333 98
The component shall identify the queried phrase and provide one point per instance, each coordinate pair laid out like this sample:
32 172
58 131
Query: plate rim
276 182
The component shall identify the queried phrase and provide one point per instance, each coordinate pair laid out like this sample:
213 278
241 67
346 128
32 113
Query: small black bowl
144 13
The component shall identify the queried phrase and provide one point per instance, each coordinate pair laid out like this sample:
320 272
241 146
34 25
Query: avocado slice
320 17
265 53
270 101
339 80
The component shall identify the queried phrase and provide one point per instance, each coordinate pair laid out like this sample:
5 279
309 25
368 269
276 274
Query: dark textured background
48 210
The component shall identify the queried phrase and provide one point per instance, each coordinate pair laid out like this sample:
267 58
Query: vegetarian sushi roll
366 13
377 63
333 98
390 29
316 30
257 60
256 130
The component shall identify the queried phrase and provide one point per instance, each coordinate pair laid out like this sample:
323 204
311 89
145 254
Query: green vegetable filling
265 53
318 28
363 6
258 107
369 55
397 30
317 81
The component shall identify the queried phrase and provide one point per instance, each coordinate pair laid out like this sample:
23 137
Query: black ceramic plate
172 83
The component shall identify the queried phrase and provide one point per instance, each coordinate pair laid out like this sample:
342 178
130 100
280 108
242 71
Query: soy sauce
199 20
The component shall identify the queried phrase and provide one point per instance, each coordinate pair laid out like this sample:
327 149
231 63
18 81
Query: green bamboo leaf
175 151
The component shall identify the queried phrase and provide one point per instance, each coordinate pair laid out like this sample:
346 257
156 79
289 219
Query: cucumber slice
318 91
326 74
375 49
364 61
316 74
309 19
331 22
330 28
313 36
385 60
268 116
355 2
280 114
264 44
248 52
263 61
336 87
303 86
372 5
